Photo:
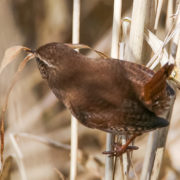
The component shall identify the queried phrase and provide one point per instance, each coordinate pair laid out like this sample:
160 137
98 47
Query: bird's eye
43 68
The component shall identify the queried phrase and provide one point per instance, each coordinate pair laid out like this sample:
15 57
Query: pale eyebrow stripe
45 62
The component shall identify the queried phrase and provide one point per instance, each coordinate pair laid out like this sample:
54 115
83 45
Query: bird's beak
30 51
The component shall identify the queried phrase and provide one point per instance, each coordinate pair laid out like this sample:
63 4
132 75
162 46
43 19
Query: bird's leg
120 149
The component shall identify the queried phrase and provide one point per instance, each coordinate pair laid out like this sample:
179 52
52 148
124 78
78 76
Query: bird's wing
110 91
150 88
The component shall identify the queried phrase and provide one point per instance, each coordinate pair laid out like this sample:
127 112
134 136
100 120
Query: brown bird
112 95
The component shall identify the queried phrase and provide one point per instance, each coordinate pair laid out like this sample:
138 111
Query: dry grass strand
6 61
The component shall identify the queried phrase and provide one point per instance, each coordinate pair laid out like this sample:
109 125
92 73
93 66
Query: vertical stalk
114 53
125 159
134 52
169 11
76 21
134 48
109 160
74 124
156 144
161 134
149 23
158 12
19 156
116 29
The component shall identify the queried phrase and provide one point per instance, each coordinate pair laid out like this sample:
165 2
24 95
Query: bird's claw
119 150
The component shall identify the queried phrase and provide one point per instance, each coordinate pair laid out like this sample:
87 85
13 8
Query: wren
111 95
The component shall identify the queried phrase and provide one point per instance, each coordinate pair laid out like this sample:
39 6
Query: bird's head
52 57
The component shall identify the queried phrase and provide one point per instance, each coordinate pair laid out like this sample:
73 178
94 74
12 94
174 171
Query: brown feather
107 94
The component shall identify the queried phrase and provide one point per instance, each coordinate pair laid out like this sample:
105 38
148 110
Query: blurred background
36 123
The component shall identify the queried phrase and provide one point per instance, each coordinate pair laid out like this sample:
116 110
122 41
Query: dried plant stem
161 134
158 12
177 60
109 166
116 29
178 54
44 140
74 123
154 154
74 147
61 176
135 46
157 57
134 52
4 108
35 112
149 23
157 139
149 158
83 46
19 157
125 160
76 22
169 14
175 39
150 15
114 53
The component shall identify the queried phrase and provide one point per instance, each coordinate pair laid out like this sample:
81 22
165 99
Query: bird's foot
120 149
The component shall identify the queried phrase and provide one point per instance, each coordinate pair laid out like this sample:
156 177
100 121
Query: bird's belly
127 130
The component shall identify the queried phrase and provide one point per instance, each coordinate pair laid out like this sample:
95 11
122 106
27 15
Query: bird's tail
158 82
